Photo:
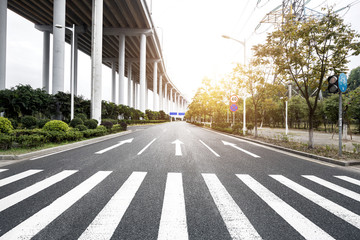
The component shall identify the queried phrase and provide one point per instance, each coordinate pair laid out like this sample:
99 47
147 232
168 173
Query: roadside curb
305 154
63 148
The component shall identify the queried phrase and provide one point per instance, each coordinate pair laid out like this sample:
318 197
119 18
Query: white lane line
334 187
115 146
105 223
299 222
349 179
18 176
142 150
235 220
50 154
188 130
239 148
34 224
328 205
173 223
3 170
274 149
210 149
19 196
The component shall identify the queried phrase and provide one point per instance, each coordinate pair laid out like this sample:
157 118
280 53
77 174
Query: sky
190 31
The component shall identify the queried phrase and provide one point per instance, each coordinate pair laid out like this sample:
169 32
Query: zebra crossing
173 221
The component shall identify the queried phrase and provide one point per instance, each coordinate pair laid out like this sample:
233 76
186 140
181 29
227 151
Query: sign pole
340 124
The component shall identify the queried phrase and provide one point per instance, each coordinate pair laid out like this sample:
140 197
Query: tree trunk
311 130
255 116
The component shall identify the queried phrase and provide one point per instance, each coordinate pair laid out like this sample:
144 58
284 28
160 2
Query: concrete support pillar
76 65
161 107
129 83
113 82
133 93
96 58
171 100
58 46
46 62
3 32
122 69
142 77
146 95
155 103
175 106
166 99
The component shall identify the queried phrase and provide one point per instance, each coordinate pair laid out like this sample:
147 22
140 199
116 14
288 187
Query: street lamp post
72 69
244 44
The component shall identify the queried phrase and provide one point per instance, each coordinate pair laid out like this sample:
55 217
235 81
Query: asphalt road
178 181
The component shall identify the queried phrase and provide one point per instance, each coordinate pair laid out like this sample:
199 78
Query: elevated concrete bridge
117 33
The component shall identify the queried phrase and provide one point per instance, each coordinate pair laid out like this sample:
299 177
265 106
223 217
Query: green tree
252 80
305 52
354 79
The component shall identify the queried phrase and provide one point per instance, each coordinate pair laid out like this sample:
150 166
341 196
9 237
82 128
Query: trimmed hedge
5 125
6 141
91 123
81 127
56 125
31 141
76 121
29 122
41 122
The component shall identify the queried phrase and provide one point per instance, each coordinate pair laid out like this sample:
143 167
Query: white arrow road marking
115 146
177 143
238 148
142 150
210 149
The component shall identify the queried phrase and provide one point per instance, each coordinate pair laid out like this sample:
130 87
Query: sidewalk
320 138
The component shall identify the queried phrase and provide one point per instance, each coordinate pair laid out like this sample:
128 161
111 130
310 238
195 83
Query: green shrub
221 125
250 126
6 141
14 123
117 128
81 127
55 136
41 122
76 121
237 127
56 125
29 122
108 125
113 121
91 123
73 135
99 131
82 116
31 140
5 125
123 125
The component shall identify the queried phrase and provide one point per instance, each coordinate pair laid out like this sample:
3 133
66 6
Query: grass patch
325 151
20 150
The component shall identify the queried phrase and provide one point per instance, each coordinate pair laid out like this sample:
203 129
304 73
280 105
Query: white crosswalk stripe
173 216
19 196
18 177
330 206
173 219
300 223
31 226
349 179
3 170
235 220
110 216
334 187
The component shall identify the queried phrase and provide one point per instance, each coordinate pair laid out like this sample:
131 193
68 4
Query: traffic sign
173 113
234 98
342 82
234 108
